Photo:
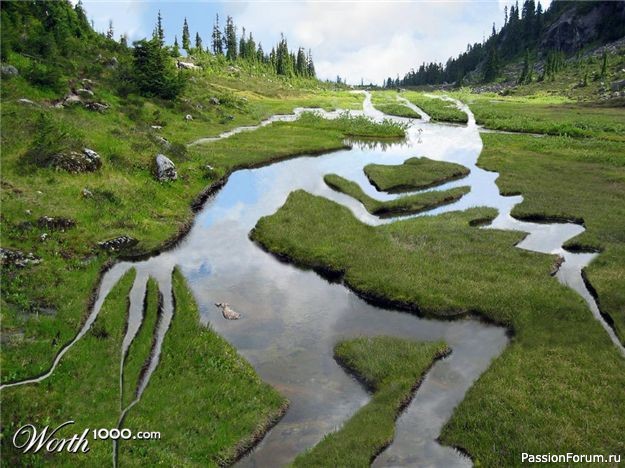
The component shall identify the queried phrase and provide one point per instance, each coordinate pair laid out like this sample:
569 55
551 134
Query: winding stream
292 318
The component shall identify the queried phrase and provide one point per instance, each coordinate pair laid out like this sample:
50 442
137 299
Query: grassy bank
392 369
408 204
209 423
551 375
589 187
125 200
386 101
84 388
437 109
413 174
548 114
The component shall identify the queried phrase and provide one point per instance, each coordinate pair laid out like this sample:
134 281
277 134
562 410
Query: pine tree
198 42
217 44
230 38
186 38
175 49
301 64
153 70
242 44
250 48
311 65
260 55
123 40
491 67
604 64
160 33
109 33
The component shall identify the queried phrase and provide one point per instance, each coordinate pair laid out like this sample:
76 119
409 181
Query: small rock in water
165 168
227 312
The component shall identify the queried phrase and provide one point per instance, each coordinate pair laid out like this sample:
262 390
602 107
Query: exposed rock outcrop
13 257
75 162
165 168
118 243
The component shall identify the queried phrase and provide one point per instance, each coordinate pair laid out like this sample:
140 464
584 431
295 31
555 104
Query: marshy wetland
308 267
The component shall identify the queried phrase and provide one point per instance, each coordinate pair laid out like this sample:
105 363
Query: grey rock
14 257
87 193
617 85
118 243
227 311
75 162
112 63
156 127
43 237
71 99
188 117
165 168
163 141
27 102
56 223
9 71
84 92
214 101
96 106
187 65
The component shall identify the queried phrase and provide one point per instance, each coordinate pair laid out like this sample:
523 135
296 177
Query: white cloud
128 17
370 40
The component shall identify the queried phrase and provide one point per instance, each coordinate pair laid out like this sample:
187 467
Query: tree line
226 43
519 37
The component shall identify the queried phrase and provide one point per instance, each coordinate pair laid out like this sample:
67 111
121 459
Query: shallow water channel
292 318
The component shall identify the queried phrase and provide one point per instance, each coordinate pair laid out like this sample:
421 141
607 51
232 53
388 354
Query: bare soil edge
405 401
605 315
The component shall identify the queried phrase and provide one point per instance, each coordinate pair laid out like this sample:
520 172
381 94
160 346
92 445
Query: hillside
583 40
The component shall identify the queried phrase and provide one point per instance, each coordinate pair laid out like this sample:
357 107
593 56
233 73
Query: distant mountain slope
529 35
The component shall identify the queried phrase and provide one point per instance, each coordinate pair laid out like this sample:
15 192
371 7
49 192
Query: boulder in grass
13 257
9 71
56 223
188 117
165 168
84 92
75 162
118 243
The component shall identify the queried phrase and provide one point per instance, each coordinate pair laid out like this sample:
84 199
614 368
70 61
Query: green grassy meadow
387 102
437 109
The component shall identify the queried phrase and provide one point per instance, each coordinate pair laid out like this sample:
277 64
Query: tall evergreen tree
311 65
217 40
301 64
186 38
109 32
243 45
160 33
198 42
175 49
230 38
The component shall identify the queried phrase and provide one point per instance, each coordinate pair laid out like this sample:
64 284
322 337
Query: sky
368 40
